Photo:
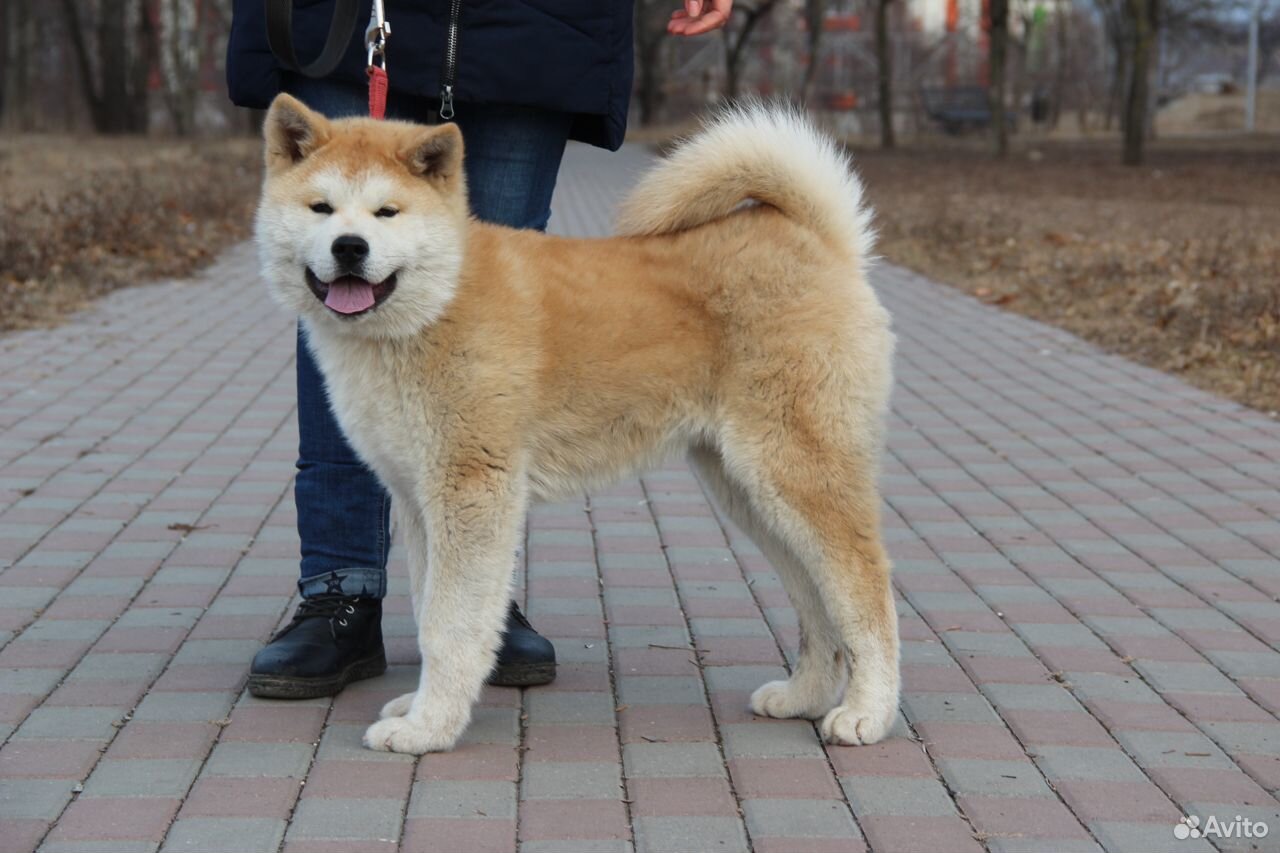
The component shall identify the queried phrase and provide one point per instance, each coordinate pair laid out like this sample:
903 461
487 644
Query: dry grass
81 217
1175 264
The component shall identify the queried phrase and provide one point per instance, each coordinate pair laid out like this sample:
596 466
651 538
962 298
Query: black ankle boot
527 658
332 641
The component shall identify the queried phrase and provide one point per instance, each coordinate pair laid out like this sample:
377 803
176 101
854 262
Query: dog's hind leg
460 603
814 686
820 499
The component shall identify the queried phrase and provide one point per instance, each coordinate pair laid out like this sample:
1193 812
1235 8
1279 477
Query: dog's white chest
383 420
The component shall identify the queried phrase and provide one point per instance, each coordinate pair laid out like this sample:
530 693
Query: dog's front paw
397 707
399 734
854 726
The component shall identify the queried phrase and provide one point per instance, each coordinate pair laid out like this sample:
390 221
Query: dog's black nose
350 250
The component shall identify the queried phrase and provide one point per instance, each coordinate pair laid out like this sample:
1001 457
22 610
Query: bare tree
998 49
737 38
815 14
179 38
1144 17
884 73
115 84
651 31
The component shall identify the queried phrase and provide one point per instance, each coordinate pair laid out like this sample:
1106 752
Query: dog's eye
386 212
321 207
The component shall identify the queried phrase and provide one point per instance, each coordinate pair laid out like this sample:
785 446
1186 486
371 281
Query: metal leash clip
376 35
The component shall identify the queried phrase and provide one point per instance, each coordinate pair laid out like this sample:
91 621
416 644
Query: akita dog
477 368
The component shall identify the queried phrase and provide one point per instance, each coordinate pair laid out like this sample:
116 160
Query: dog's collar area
348 297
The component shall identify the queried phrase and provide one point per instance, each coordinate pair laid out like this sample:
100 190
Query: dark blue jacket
574 56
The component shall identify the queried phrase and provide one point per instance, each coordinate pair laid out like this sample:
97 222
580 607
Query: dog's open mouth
349 295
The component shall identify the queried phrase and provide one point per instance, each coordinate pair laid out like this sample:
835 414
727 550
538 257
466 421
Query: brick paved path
1085 556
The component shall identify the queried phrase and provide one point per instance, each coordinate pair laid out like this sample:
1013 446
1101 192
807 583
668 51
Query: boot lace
335 608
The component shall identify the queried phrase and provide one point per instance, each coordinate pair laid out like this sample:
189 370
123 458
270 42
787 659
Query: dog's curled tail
769 153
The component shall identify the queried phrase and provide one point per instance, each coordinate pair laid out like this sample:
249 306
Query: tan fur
510 366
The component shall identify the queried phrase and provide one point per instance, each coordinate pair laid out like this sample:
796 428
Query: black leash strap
346 15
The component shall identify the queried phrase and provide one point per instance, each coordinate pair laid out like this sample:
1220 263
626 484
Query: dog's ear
435 153
292 132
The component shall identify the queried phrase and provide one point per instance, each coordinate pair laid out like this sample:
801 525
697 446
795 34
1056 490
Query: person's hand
699 16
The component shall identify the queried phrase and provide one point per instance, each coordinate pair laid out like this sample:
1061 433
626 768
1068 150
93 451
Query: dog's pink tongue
349 298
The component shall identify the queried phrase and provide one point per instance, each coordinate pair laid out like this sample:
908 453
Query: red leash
377 91
375 39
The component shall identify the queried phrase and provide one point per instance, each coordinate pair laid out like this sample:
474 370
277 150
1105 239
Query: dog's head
361 224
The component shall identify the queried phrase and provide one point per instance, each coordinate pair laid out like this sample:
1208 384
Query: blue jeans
512 159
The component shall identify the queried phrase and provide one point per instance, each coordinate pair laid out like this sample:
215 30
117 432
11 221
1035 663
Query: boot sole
292 687
523 675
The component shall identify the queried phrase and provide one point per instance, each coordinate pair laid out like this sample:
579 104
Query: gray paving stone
167 777
1122 836
333 818
987 777
210 835
1030 697
35 680
741 678
576 847
624 637
99 847
1173 749
1168 677
260 759
41 799
897 795
184 706
708 626
643 760
660 690
53 722
545 780
1246 738
1041 845
682 834
570 708
799 819
442 798
1080 762
773 739
948 707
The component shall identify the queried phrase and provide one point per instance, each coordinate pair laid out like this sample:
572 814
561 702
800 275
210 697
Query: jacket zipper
450 72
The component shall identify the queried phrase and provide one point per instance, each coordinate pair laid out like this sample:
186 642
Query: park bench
960 108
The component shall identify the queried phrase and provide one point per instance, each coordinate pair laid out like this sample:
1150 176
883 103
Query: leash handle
342 27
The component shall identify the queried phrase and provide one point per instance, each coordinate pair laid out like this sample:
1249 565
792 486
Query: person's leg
512 158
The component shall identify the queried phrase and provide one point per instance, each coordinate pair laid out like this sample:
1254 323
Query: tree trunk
815 16
115 109
1142 26
1061 24
115 86
998 61
651 30
884 73
180 61
735 48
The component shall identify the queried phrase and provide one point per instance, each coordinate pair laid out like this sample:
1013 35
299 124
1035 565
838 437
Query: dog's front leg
470 538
